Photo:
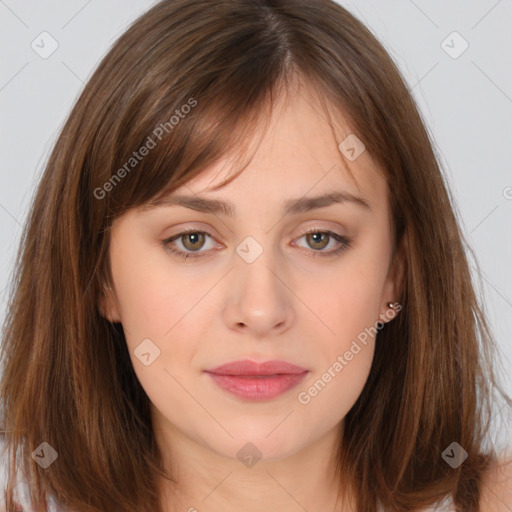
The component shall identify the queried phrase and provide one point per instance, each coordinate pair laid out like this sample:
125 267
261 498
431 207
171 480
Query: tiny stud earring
392 305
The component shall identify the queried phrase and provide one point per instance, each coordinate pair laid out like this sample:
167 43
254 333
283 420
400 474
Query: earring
396 307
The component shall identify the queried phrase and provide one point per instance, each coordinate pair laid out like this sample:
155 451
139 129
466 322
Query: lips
257 381
249 368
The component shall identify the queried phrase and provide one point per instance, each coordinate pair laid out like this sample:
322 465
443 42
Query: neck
206 480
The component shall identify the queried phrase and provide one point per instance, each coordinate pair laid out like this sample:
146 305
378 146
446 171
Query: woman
301 333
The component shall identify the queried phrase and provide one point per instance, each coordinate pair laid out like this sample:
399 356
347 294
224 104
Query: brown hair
67 376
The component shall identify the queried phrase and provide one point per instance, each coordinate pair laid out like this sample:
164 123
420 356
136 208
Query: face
305 286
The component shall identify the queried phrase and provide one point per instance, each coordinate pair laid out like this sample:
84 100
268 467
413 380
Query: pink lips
257 381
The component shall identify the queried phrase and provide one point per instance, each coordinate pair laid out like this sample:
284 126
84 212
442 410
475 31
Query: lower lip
257 388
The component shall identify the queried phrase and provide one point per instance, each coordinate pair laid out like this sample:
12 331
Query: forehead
308 147
303 148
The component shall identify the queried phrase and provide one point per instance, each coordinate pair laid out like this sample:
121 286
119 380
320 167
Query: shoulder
496 493
21 491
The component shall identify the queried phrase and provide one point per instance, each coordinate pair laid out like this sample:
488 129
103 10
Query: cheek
348 305
162 319
168 309
332 392
344 354
172 323
349 299
154 300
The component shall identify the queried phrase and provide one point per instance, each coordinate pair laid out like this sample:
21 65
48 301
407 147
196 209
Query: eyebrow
290 207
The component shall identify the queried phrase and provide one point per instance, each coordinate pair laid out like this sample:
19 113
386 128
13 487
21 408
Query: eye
193 240
319 240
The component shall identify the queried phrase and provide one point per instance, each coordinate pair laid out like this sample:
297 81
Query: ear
393 286
107 305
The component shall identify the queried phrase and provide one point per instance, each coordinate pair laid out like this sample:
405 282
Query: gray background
466 103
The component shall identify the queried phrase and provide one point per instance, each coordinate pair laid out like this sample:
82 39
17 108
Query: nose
259 302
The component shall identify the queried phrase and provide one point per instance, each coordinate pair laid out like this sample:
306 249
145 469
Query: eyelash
344 241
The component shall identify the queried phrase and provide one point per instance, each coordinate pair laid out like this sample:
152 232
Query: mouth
254 381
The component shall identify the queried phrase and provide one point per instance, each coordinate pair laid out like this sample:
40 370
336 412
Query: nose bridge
258 299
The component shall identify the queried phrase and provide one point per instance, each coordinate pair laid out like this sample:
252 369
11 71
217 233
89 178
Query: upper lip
247 367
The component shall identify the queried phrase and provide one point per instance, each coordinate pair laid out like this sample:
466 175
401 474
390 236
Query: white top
445 506
21 491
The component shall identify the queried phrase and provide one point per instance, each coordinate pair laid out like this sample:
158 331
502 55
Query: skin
286 305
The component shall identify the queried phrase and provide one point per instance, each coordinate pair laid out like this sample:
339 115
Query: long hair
190 81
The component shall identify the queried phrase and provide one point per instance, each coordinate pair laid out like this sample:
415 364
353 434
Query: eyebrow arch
292 206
